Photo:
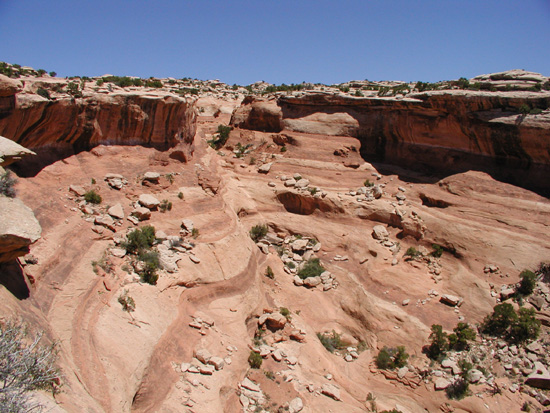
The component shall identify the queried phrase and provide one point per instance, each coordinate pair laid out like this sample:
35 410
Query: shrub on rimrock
258 232
313 268
392 358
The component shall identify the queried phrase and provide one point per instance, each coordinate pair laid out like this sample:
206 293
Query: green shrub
254 360
458 389
368 183
283 148
7 185
389 358
44 93
527 283
412 252
312 268
139 240
258 232
180 195
195 232
524 109
53 74
269 273
439 343
285 312
498 323
74 90
151 265
527 327
437 251
92 197
165 205
154 83
332 341
463 333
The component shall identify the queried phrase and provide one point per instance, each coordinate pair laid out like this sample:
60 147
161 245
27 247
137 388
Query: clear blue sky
278 41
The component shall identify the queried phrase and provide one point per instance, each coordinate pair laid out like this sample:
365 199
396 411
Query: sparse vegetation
165 205
527 283
412 253
461 336
458 389
439 343
7 183
148 273
269 273
285 312
195 232
92 197
514 327
25 365
332 341
127 302
180 195
139 240
368 183
312 268
390 358
437 251
258 232
254 360
104 263
44 93
222 137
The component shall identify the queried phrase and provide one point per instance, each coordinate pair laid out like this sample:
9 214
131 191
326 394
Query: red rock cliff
120 118
443 131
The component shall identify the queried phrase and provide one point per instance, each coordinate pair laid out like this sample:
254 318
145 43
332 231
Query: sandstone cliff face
442 131
123 118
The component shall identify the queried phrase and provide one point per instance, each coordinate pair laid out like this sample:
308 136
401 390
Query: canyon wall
435 132
69 124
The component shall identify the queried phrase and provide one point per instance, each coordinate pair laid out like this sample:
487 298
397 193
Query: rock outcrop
11 151
19 231
444 131
69 124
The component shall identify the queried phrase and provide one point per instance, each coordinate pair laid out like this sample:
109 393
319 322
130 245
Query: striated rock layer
122 118
440 131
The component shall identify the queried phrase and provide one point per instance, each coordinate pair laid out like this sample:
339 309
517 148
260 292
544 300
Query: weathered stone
299 245
141 213
116 211
202 355
19 231
380 233
451 300
290 182
149 201
402 372
312 281
302 183
187 225
441 384
207 370
217 362
331 390
151 177
265 168
273 321
11 152
118 252
106 221
77 190
250 385
295 405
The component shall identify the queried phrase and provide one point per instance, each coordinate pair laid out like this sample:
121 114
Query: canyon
369 185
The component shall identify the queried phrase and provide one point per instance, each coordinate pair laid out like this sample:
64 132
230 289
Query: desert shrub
498 323
25 365
463 83
195 232
151 263
165 205
312 268
389 358
269 273
258 232
154 83
283 148
458 389
104 263
7 184
535 111
269 374
74 90
53 74
463 333
437 251
139 240
527 283
332 341
92 197
254 360
368 183
412 252
44 93
223 135
127 302
180 195
285 312
439 343
524 109
527 327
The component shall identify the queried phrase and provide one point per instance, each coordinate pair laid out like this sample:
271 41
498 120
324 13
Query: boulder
273 321
295 405
19 231
331 390
290 182
265 168
203 355
299 245
8 86
115 181
302 183
187 225
11 151
217 362
116 211
250 385
77 190
141 213
149 201
151 177
379 232
451 300
441 384
312 281
106 221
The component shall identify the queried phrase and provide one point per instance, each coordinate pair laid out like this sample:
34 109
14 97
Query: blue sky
285 41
